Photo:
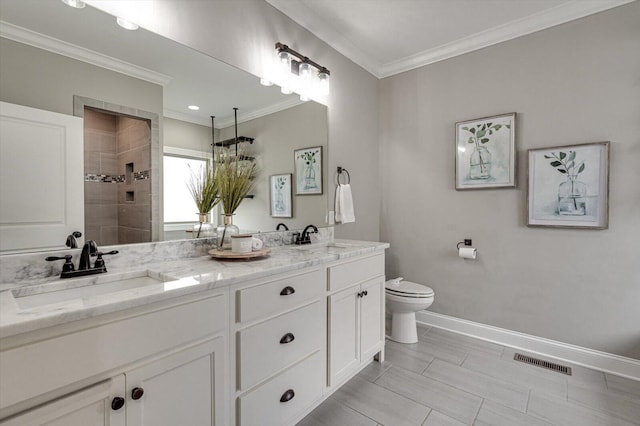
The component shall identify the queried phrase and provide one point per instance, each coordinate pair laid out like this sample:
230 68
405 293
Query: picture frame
486 152
280 195
568 186
308 170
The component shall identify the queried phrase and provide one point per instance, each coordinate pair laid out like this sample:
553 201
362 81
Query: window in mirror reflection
179 207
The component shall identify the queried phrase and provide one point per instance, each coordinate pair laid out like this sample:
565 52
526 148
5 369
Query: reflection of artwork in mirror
308 167
280 186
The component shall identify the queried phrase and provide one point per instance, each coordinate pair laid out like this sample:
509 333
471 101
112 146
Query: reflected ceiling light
193 107
127 25
304 98
285 90
265 82
78 4
309 82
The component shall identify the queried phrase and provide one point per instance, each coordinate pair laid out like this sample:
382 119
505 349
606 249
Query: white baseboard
603 361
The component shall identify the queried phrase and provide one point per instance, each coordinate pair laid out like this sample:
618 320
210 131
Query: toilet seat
408 289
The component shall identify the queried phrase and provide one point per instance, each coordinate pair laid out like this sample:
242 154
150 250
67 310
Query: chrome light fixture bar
301 66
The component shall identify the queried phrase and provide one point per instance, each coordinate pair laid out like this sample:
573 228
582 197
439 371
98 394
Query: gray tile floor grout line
526 407
478 412
404 396
351 408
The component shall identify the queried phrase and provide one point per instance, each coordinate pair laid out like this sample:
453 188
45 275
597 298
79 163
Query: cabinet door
90 406
344 335
186 385
371 318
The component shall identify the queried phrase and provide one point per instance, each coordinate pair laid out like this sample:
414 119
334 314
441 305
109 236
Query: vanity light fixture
312 78
78 4
193 107
127 25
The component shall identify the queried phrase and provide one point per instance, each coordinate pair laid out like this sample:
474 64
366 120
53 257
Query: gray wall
576 83
181 134
40 79
243 33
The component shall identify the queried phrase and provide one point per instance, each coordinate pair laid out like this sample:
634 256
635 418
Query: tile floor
450 379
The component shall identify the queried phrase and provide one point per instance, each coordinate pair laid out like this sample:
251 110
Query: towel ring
340 171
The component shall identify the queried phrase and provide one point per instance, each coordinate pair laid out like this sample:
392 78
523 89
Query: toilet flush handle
396 281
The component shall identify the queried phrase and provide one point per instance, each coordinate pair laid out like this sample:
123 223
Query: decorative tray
228 254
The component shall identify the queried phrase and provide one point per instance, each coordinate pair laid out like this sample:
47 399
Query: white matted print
485 152
569 186
308 170
280 195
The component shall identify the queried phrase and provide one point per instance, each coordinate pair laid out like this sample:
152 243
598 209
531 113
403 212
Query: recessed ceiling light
78 4
127 25
193 107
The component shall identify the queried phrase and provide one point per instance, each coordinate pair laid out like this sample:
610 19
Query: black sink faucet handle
68 264
100 261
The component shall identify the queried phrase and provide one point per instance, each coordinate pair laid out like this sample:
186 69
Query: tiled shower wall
134 194
100 196
117 184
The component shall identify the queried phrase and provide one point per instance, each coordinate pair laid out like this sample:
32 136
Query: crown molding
549 18
32 38
561 14
229 121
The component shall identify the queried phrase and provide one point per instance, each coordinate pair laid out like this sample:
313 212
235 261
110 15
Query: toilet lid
407 288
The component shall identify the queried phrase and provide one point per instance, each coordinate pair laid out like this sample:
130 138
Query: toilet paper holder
466 242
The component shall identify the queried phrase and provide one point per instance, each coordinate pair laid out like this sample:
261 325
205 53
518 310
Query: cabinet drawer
345 274
64 360
278 295
263 405
263 348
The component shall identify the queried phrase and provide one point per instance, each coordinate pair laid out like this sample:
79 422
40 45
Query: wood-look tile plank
409 360
438 419
606 401
622 385
374 370
518 373
506 393
565 413
439 396
380 404
454 355
462 341
333 413
494 414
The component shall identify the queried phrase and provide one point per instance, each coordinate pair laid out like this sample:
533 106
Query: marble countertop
75 299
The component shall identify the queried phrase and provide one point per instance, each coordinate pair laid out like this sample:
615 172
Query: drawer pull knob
137 393
287 396
287 338
359 294
117 403
287 291
365 292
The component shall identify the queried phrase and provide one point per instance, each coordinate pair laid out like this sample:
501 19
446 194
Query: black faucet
286 228
304 238
71 239
89 249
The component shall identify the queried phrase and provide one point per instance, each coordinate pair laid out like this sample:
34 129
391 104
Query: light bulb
304 70
127 25
283 57
323 82
78 4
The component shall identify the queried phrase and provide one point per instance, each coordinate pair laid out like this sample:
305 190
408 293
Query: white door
95 406
186 388
344 333
371 311
41 178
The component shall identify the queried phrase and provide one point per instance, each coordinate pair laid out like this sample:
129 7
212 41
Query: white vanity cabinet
355 316
279 333
151 366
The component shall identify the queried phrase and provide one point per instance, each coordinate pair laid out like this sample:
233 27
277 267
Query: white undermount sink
71 289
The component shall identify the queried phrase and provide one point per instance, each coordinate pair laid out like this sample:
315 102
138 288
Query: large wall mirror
130 92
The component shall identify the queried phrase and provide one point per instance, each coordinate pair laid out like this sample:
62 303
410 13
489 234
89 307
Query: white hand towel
344 204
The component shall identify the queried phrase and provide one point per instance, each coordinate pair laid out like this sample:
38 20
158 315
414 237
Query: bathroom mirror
51 53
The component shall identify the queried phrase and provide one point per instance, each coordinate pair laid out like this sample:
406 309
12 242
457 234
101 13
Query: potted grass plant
203 187
235 179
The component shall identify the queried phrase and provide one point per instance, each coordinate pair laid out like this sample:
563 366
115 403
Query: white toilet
403 300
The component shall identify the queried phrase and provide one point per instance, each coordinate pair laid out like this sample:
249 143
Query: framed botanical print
486 152
280 195
308 170
569 186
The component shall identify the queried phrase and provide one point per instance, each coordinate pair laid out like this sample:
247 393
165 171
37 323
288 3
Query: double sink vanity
193 340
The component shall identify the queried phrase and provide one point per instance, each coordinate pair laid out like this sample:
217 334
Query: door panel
41 178
371 310
344 343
